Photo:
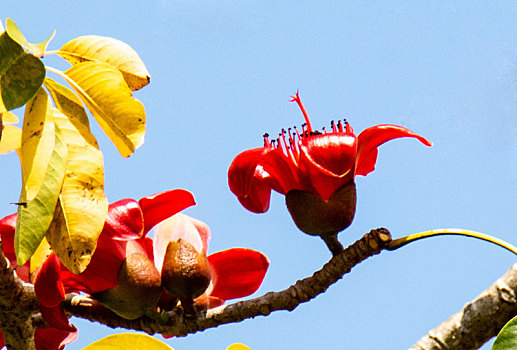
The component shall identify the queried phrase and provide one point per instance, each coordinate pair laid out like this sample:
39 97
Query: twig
479 320
302 291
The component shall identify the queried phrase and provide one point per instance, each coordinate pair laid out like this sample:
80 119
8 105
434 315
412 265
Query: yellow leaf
40 255
10 135
67 102
9 118
103 90
128 341
38 139
82 204
238 346
112 51
15 33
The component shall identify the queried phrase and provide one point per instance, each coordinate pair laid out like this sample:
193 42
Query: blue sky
222 73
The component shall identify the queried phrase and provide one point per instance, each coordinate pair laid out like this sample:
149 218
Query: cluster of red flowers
130 273
233 273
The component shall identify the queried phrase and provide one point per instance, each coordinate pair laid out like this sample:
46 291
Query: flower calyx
185 273
317 216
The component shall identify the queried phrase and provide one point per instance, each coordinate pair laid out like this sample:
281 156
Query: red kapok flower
316 164
122 239
234 273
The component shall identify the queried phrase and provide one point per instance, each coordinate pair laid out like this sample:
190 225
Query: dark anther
265 135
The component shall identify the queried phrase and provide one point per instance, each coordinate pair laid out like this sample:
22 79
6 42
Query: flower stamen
297 99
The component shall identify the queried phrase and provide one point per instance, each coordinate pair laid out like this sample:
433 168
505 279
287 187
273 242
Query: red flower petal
251 191
56 317
48 285
161 206
7 228
283 174
237 272
375 136
53 339
124 220
2 341
333 154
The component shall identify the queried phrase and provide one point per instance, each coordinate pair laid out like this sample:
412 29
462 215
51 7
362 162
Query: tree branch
470 328
302 291
17 304
479 320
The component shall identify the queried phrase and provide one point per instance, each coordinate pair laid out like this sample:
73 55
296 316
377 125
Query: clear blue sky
222 73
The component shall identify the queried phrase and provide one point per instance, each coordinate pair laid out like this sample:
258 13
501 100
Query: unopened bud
139 288
185 272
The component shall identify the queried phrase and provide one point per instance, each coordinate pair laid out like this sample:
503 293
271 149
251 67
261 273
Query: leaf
507 337
83 204
11 138
21 73
15 33
112 51
128 341
34 217
37 144
67 102
103 90
10 135
238 346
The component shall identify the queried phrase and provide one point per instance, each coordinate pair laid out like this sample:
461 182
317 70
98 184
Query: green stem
400 242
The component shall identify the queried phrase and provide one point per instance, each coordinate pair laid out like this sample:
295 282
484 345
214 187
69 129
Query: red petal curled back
161 206
237 272
251 191
375 136
53 339
48 285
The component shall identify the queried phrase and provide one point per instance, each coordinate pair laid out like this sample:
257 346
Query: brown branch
288 299
479 320
17 303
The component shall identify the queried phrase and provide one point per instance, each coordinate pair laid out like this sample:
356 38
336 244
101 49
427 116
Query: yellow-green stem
400 242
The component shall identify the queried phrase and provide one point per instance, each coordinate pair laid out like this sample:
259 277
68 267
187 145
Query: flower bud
138 288
185 272
317 216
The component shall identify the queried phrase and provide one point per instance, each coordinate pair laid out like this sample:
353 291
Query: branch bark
302 291
479 320
17 304
471 327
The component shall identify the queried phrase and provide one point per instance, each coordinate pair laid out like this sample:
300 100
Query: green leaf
15 33
112 51
21 74
507 337
128 341
34 217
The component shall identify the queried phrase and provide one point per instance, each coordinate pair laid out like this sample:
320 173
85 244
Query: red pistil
297 99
